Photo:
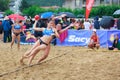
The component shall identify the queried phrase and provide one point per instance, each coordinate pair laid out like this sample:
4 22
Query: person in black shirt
96 23
65 22
115 43
41 23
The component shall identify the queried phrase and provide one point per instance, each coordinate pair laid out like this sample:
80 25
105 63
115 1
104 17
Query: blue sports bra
48 32
17 27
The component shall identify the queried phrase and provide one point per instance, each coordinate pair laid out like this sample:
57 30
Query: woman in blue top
41 43
59 30
16 29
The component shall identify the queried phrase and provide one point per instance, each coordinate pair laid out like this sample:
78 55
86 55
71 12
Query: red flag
89 4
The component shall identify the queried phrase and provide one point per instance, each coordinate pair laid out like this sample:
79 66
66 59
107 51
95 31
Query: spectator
118 24
77 25
94 40
65 22
96 23
6 29
1 27
72 20
28 24
116 43
56 19
87 25
82 25
10 33
115 25
1 30
92 25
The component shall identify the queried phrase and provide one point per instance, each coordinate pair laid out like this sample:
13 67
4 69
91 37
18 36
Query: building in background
81 3
46 3
14 5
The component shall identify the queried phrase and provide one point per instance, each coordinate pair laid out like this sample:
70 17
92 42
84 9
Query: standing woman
16 29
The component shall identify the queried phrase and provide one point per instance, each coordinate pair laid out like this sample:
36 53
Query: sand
63 63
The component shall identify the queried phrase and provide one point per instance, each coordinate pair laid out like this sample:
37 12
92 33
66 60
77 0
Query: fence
78 38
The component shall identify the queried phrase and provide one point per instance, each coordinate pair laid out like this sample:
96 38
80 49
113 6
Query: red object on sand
37 17
16 16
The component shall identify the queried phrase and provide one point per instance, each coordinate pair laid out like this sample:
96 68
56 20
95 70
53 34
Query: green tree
24 5
97 11
33 10
78 11
63 10
4 5
104 10
8 12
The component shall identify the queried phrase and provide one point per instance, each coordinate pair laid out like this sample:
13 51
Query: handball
37 17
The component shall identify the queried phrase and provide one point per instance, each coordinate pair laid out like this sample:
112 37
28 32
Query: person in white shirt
87 25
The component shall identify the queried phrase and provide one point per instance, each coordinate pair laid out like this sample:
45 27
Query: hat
94 30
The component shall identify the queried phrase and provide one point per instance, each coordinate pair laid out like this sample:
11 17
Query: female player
16 29
94 40
59 30
43 42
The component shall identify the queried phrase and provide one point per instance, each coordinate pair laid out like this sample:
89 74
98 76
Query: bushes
78 11
33 10
97 11
4 5
104 10
8 12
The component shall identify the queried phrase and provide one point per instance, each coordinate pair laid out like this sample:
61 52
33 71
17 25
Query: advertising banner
82 38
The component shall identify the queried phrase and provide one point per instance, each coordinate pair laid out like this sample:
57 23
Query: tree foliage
24 5
8 12
4 5
97 11
104 10
33 10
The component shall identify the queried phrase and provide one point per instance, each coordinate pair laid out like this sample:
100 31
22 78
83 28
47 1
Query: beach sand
63 63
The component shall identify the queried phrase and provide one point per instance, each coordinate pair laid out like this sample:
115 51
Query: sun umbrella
117 12
16 16
46 15
107 22
68 14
